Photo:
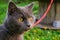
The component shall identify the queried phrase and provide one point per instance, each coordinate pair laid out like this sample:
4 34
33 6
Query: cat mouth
28 28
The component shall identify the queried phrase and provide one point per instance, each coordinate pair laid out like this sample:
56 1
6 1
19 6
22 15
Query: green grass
3 10
38 34
35 33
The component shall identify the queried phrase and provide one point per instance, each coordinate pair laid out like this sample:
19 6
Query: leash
45 13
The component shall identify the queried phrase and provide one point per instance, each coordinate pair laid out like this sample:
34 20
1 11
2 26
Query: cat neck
15 37
12 35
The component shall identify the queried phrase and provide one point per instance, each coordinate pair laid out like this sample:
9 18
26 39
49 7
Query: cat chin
27 29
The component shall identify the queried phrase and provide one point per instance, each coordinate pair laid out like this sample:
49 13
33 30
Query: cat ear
12 7
30 6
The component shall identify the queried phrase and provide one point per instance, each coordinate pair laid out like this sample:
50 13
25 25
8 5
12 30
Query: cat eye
31 19
20 19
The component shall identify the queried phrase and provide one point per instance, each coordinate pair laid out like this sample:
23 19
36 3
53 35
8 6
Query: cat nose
28 25
36 20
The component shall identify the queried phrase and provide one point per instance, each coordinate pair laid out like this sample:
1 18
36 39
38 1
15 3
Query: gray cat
19 20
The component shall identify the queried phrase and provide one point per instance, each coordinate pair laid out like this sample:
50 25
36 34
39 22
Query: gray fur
12 29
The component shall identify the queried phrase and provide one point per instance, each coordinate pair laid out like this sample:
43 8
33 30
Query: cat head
20 18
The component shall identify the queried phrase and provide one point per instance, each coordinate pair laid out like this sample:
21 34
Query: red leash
44 15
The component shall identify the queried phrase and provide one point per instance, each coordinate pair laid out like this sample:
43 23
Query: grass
35 33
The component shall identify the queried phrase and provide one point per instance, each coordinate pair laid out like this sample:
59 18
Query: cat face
21 17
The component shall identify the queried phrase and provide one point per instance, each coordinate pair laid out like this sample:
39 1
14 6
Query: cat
18 21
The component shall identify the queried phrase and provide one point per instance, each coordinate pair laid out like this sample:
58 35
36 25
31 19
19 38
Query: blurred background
35 33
